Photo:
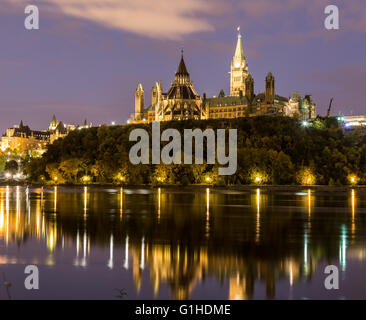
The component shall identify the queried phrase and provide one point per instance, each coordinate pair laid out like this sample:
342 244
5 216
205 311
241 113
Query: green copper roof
239 51
182 69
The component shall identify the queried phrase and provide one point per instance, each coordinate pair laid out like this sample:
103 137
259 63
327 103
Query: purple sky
89 55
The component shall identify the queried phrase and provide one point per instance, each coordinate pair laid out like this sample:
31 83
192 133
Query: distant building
58 129
22 140
182 102
353 121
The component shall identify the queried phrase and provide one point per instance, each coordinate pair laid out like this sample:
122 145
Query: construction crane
330 107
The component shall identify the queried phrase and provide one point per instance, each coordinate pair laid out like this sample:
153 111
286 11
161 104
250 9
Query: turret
53 123
182 75
139 102
270 89
156 93
249 88
239 69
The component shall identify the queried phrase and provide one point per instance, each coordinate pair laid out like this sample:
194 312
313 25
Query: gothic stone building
20 139
182 102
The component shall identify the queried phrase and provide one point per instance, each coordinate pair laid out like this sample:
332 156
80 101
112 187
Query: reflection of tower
142 264
7 209
343 248
239 70
309 209
125 265
110 261
121 203
271 285
306 257
241 288
85 201
136 271
55 200
258 222
353 213
207 212
159 203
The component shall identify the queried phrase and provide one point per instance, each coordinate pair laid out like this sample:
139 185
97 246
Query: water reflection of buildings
180 264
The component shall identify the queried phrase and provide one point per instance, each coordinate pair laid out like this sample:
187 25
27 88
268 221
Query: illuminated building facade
21 140
182 102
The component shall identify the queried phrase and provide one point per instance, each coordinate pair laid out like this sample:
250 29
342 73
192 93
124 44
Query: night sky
89 55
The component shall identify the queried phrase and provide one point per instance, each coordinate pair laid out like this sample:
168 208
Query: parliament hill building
21 140
182 102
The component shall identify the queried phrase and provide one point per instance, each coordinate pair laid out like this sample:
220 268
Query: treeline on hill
271 150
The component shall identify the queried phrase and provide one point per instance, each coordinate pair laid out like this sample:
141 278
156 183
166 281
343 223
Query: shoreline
202 186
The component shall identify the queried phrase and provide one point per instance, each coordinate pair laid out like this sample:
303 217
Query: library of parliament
182 102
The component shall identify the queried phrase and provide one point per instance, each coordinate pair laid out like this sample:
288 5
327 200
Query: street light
353 179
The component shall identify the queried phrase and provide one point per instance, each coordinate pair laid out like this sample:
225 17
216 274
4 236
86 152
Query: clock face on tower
237 65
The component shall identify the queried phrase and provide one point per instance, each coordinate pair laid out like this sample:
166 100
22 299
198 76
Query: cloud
290 16
159 19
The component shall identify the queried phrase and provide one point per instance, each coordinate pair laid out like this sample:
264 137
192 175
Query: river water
182 243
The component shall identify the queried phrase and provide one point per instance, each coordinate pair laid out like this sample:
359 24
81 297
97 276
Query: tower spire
239 69
239 51
182 69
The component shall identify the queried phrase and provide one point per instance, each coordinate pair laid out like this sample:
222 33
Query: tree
2 164
12 167
70 169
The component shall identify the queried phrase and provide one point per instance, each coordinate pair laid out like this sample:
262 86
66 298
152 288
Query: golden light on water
258 225
111 247
159 203
2 218
353 201
121 203
55 200
17 209
309 203
207 212
85 200
291 275
51 232
125 264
